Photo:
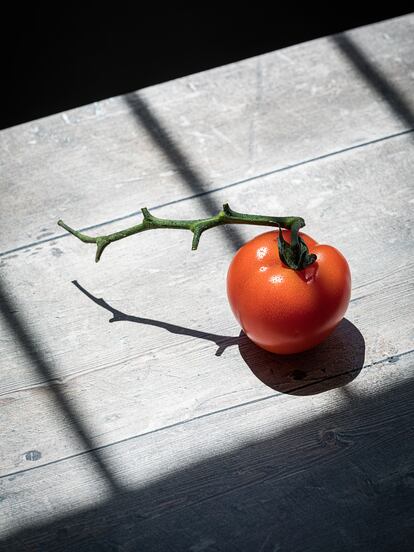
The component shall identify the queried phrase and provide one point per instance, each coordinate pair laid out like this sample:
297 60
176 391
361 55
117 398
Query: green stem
198 226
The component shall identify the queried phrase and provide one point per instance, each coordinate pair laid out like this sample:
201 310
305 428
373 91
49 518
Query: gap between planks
218 189
365 368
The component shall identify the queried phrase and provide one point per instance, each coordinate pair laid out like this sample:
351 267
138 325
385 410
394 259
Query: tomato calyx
295 254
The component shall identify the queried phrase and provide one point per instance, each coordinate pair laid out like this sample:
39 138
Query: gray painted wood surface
166 429
235 122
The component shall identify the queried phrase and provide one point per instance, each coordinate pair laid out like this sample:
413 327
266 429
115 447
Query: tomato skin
283 310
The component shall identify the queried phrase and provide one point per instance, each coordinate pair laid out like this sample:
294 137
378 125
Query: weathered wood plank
215 128
201 451
130 377
264 476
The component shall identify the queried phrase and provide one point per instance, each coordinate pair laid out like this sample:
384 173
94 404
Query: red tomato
283 310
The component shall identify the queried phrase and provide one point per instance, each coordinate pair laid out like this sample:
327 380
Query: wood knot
328 437
33 455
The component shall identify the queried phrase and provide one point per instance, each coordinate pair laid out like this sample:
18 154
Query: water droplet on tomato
276 279
261 252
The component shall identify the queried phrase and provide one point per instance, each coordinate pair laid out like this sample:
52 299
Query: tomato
284 310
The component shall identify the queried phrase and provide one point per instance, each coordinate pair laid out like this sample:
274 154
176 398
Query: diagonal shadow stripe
29 344
375 78
196 184
189 175
350 467
275 171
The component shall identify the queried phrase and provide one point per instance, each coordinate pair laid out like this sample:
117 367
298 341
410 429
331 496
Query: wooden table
134 416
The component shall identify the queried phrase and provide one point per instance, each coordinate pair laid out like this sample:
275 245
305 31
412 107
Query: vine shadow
334 363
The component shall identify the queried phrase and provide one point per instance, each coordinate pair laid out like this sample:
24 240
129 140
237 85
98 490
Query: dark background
55 61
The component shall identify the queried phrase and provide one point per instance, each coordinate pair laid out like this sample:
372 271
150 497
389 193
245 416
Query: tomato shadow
334 363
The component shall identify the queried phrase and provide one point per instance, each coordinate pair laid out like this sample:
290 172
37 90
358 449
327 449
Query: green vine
295 255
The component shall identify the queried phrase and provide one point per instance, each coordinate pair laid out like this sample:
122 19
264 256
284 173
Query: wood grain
162 369
338 478
199 133
166 429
